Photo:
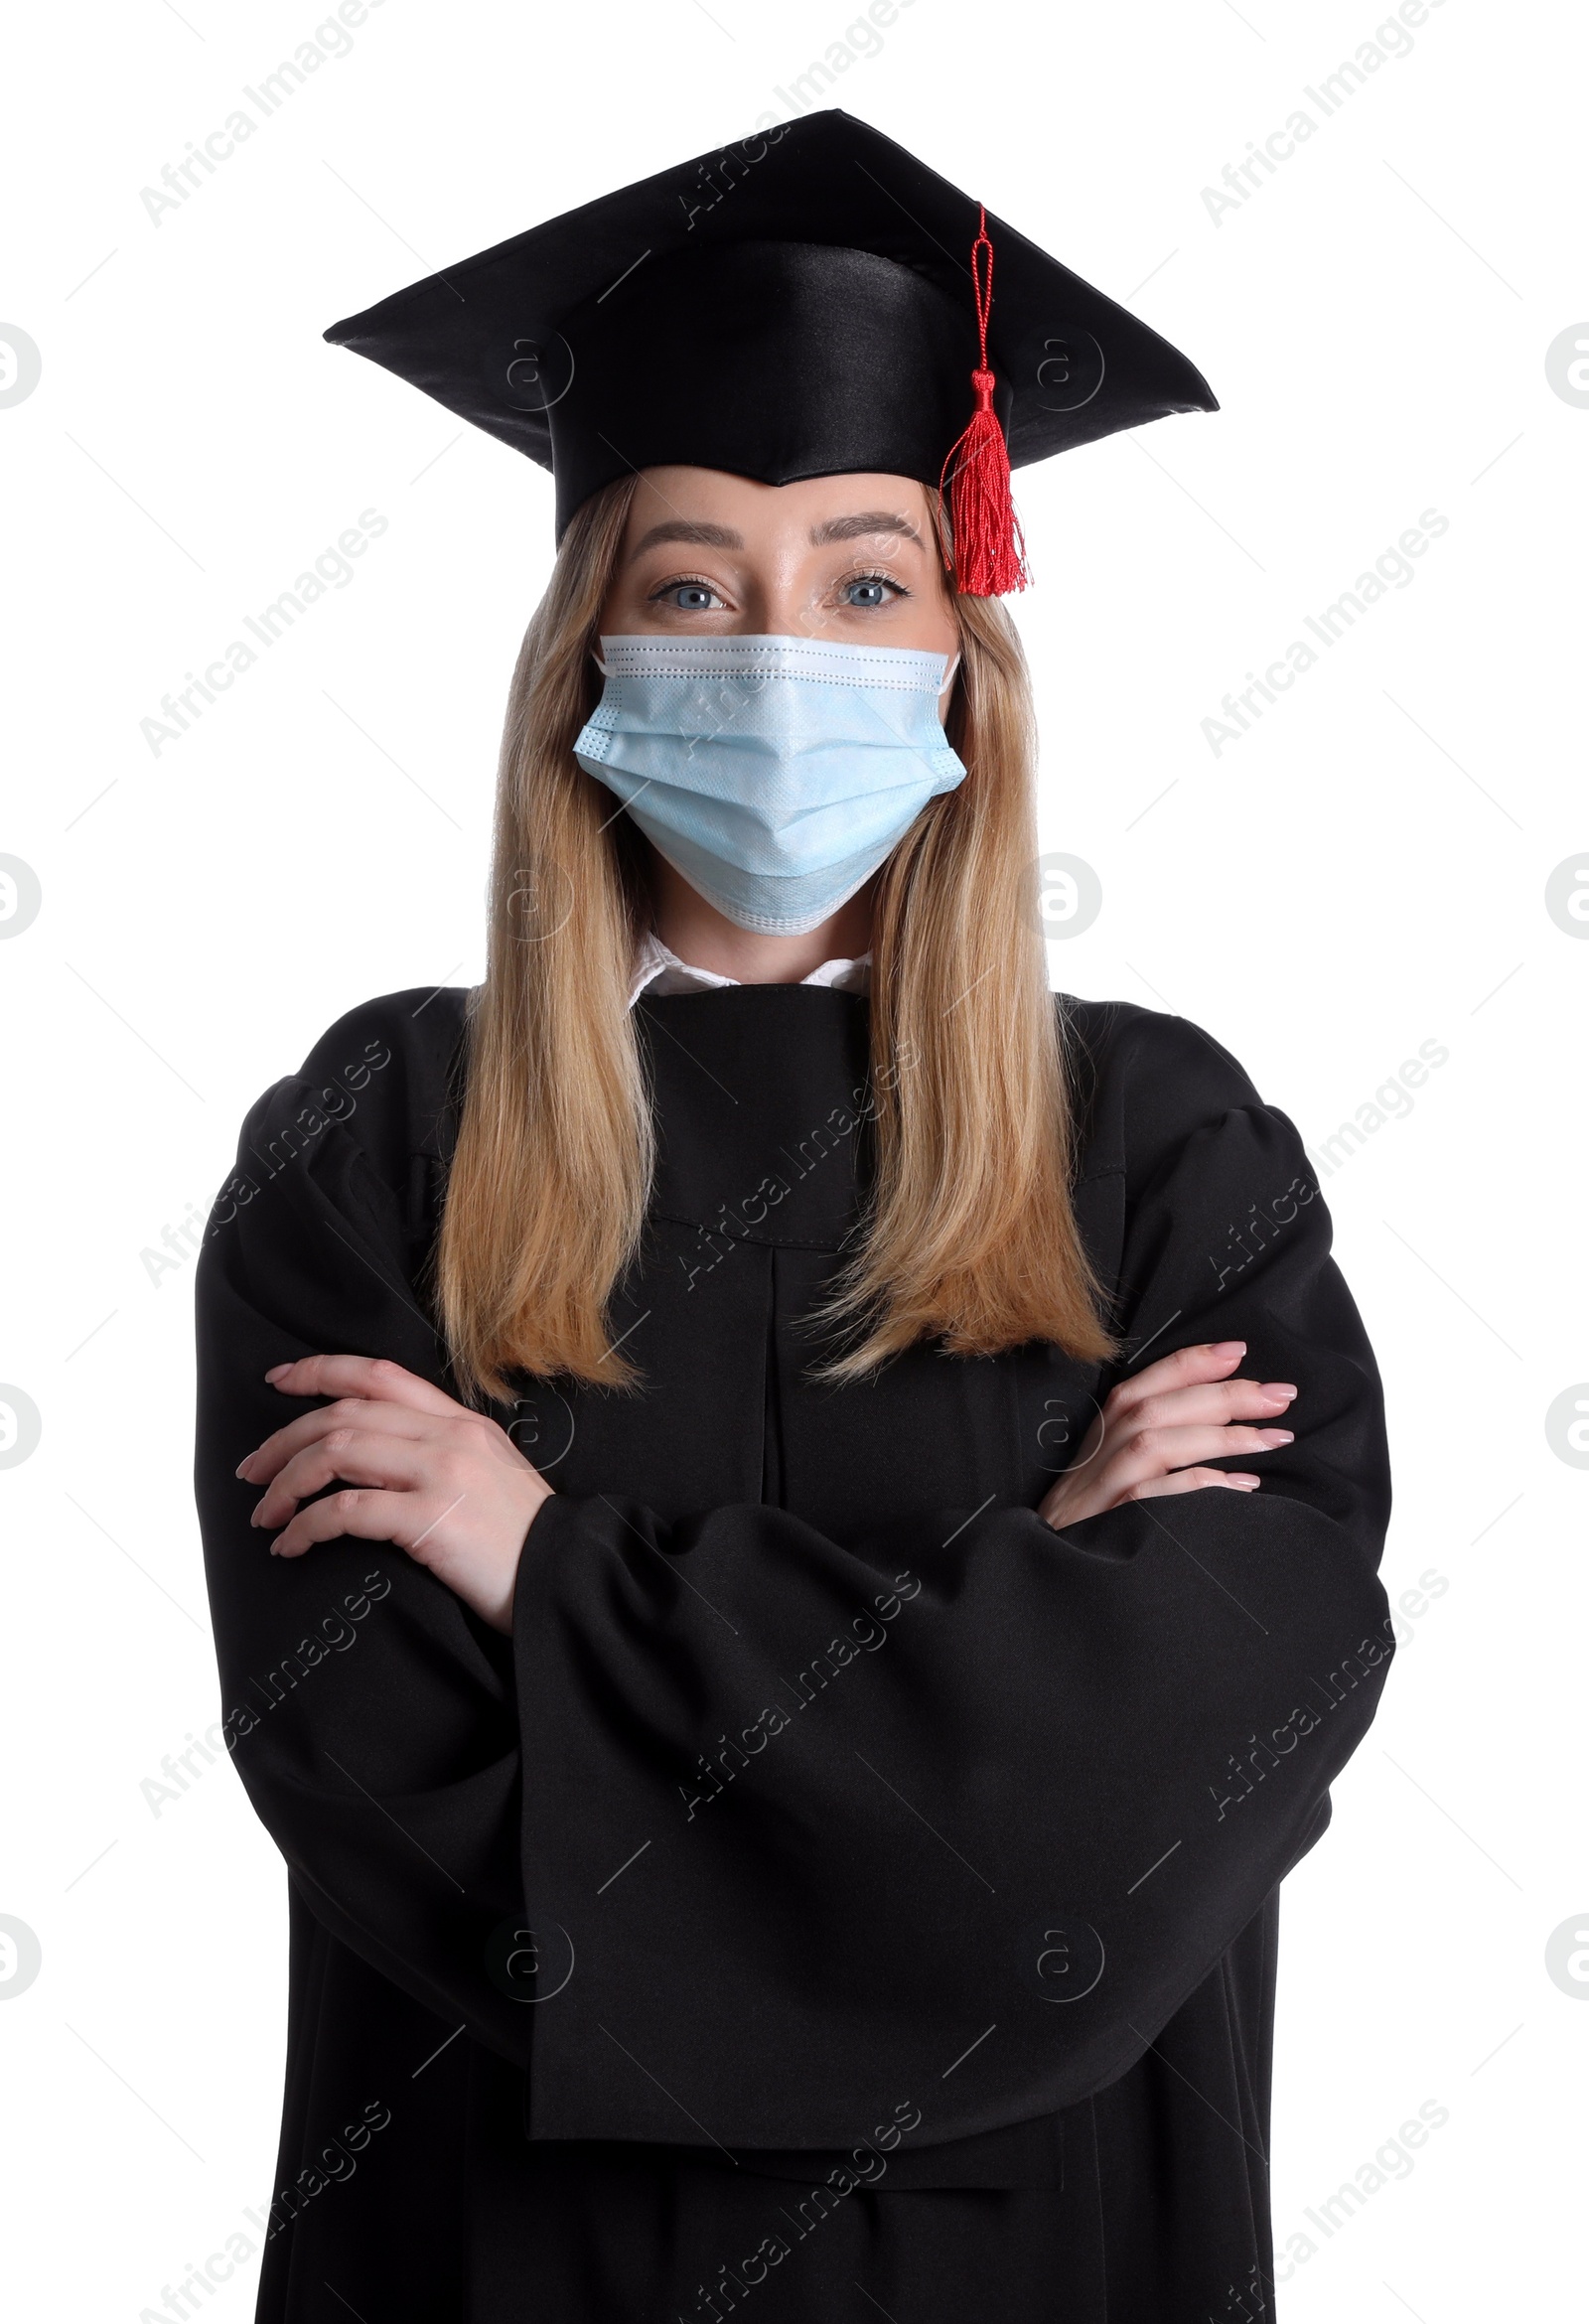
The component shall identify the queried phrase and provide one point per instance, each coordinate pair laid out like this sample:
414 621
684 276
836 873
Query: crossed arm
450 1488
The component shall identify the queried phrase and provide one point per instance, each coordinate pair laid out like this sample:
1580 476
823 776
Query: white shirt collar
660 971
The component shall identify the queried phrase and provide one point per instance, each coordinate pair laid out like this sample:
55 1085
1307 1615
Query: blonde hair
969 1238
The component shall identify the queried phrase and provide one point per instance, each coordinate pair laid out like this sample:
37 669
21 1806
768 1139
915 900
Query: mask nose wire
942 683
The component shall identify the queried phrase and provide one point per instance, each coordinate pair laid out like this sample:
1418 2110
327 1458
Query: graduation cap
811 301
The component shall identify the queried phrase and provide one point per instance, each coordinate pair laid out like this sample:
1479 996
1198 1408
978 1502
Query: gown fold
839 1882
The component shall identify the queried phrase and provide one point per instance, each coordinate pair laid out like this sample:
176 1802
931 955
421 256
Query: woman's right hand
1153 1429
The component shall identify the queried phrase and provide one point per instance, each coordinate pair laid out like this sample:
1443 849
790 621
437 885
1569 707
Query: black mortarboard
800 304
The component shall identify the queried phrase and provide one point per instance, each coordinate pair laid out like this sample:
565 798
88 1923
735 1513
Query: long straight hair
968 1240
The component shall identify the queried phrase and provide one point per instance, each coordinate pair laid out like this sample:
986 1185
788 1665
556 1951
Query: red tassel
989 552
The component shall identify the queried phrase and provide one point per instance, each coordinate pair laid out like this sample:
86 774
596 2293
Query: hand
445 1484
1183 1409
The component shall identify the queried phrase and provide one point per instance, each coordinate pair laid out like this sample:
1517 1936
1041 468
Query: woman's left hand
445 1484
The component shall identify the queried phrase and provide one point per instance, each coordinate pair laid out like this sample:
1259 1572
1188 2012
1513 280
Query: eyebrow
855 528
723 536
697 536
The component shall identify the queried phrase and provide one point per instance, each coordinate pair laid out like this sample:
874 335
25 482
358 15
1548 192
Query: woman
784 1705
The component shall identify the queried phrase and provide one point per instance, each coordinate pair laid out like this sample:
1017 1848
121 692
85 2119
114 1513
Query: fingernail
276 1371
1228 1346
1279 1388
241 1470
1276 1435
1240 1477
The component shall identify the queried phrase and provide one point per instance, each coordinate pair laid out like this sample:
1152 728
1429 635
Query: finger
356 1457
1127 1409
1213 1401
1154 1452
361 1376
309 1427
1193 1481
355 1512
1185 1368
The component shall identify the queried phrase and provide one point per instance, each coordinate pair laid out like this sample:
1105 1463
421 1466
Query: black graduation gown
842 1893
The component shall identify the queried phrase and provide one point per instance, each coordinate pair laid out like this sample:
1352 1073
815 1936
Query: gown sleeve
369 1715
793 1839
965 1811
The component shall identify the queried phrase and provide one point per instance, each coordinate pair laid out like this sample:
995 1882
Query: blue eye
692 597
867 591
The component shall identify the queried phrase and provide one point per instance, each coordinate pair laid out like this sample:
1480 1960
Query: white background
1361 872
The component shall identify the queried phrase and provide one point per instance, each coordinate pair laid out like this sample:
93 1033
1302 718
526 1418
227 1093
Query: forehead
761 512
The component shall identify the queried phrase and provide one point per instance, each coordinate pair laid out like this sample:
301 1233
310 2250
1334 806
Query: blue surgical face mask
776 774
